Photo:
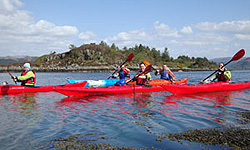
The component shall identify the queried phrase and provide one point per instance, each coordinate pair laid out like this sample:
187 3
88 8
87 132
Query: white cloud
241 26
244 37
129 38
186 30
9 6
184 41
86 35
19 34
162 30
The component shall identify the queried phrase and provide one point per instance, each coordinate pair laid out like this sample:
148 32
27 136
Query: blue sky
199 28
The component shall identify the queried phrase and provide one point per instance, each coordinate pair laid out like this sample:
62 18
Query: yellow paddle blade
146 62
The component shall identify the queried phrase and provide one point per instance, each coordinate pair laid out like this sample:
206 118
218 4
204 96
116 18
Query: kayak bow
209 87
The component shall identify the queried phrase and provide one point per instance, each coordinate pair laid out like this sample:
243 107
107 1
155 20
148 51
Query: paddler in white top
28 77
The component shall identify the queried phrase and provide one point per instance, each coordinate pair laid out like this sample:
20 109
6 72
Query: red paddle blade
238 55
130 57
147 69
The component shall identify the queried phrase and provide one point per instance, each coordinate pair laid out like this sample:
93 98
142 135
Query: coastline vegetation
103 54
102 57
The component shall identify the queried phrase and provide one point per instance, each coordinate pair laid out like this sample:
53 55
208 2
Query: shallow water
31 121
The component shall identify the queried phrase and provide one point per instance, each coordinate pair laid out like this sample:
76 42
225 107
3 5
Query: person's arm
227 74
27 76
148 76
171 73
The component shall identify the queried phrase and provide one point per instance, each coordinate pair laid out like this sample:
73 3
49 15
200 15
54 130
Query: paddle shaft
116 70
130 57
11 76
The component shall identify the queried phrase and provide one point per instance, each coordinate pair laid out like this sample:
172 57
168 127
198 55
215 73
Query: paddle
11 76
147 70
148 63
130 57
237 56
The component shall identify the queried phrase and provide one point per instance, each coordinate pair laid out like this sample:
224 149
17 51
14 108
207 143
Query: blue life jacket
120 82
123 74
165 75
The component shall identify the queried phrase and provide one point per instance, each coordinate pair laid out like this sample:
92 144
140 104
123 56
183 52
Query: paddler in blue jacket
222 76
28 77
166 73
122 73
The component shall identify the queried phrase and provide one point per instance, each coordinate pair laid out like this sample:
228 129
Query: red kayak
79 91
209 87
11 89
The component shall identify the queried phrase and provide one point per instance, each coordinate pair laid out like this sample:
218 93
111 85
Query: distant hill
242 64
16 59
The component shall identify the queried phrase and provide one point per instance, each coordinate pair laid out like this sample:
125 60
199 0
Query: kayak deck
79 91
96 83
13 89
209 87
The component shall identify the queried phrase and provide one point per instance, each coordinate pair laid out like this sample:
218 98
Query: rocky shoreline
88 69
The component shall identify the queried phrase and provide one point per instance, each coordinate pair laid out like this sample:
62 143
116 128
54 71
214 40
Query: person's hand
14 78
202 81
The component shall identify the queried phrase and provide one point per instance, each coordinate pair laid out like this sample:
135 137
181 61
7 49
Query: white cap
26 65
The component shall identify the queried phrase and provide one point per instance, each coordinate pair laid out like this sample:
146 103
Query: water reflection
198 105
133 108
20 102
215 98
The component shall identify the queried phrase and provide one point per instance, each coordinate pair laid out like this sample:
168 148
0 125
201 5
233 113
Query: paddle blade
146 62
147 69
130 57
238 55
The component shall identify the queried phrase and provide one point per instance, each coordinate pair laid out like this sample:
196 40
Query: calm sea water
31 121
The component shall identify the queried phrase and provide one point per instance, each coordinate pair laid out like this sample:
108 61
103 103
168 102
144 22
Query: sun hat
26 65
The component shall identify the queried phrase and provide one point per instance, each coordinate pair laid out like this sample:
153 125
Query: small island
102 58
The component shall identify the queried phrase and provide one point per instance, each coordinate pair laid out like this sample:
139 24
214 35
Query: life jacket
29 82
222 78
141 81
124 73
167 75
120 82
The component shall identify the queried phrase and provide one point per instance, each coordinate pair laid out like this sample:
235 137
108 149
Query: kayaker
28 77
142 79
166 73
222 76
123 74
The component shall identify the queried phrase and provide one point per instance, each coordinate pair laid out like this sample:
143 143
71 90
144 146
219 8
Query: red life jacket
222 78
141 81
30 80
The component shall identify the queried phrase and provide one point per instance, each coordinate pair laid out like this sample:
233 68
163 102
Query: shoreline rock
89 69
